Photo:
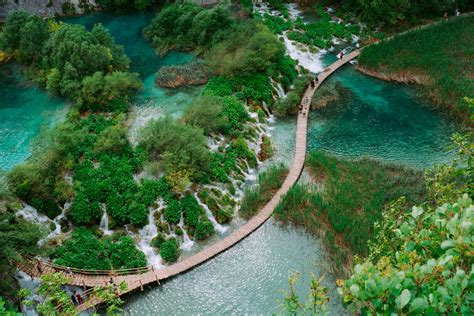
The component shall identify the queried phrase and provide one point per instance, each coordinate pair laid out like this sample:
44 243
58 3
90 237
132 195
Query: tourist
38 266
79 298
312 83
113 284
357 45
69 271
74 299
445 16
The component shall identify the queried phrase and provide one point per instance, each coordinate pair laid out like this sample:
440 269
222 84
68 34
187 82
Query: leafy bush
204 229
169 250
427 267
84 250
206 113
186 26
250 48
192 210
173 211
178 146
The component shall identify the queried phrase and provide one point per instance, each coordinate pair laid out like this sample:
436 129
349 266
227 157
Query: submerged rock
193 73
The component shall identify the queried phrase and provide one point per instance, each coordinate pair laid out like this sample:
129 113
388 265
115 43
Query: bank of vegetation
422 56
347 201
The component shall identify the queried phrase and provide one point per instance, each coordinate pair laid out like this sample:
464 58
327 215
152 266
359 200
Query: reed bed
353 196
257 196
440 57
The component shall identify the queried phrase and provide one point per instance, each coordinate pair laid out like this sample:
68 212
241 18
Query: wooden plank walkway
138 280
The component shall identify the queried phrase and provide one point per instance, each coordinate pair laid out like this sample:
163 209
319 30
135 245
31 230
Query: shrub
177 146
169 250
192 210
204 229
206 113
172 212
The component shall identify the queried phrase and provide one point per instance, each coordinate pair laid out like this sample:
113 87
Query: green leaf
418 305
448 244
416 211
403 299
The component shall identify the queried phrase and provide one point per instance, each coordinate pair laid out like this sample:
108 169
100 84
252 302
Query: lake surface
379 119
24 108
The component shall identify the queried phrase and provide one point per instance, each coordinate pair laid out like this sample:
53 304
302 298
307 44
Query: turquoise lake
24 109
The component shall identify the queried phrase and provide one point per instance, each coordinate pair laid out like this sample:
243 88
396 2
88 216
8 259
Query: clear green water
381 120
249 278
23 110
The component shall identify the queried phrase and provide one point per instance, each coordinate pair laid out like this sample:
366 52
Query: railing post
141 285
84 285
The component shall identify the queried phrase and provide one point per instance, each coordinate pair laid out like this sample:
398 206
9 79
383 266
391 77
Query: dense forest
401 238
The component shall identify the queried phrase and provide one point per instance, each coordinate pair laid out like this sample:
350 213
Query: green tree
176 146
33 35
169 250
11 35
206 113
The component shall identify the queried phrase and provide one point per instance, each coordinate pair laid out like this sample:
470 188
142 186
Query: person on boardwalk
39 267
78 298
69 271
114 286
74 299
445 16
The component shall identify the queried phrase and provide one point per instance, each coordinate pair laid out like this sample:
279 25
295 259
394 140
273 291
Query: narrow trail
137 278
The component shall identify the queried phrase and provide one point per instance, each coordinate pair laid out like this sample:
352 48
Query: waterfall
30 214
147 233
25 281
57 221
187 242
301 53
139 116
104 221
218 227
278 89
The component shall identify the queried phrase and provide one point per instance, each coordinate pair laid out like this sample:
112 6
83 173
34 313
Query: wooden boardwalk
137 279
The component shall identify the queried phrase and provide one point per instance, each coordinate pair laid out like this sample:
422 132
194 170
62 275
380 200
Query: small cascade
27 282
187 242
139 116
30 214
278 89
147 233
355 38
57 221
293 11
104 221
304 56
218 227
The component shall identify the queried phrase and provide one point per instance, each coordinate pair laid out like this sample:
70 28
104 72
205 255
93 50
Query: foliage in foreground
446 74
426 265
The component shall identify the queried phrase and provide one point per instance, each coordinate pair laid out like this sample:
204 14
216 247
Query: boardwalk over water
137 278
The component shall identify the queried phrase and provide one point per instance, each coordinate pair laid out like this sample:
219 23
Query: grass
353 196
257 196
441 56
